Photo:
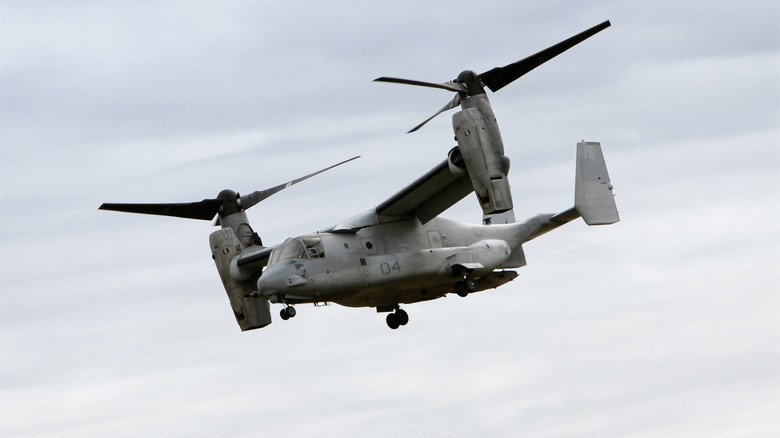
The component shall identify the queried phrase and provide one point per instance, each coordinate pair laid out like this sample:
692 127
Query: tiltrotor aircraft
401 251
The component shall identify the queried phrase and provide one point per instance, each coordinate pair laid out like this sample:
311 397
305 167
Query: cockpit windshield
307 247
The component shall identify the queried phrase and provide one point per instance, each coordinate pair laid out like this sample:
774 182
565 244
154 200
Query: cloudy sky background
666 324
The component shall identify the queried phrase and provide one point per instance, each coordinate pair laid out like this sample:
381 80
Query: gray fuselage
390 263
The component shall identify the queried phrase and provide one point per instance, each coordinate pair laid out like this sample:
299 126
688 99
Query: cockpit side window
314 248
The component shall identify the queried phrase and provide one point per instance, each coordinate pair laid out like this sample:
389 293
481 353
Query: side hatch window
314 248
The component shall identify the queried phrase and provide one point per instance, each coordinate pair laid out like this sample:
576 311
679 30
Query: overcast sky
666 324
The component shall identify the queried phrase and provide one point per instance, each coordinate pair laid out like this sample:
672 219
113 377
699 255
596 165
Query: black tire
290 311
460 289
284 314
403 317
470 284
392 321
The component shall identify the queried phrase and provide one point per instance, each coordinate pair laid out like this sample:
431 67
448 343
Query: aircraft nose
276 279
271 282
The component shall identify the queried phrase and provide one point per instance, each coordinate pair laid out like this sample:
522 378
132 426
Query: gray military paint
381 261
401 252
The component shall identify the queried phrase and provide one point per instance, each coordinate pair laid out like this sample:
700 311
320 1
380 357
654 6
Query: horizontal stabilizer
593 197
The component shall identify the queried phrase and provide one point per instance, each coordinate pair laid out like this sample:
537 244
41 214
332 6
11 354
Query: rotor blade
253 198
452 104
499 77
450 86
203 210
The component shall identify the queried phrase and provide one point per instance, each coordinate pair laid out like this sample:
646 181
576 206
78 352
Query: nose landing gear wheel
287 313
397 319
403 317
392 321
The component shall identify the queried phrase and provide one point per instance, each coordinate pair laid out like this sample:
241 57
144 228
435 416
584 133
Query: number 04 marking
387 269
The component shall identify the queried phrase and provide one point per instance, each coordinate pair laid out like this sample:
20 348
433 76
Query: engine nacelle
250 312
482 150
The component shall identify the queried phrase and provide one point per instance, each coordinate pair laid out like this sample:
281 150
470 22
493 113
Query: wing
429 195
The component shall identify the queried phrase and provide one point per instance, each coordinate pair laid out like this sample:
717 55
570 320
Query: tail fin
593 198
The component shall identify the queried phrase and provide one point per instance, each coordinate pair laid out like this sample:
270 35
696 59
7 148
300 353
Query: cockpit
303 248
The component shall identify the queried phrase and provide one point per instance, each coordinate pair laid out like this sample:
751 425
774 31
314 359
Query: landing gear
465 287
392 321
397 319
287 313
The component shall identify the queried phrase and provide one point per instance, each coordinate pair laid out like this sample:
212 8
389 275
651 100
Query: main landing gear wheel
287 313
403 317
397 319
465 287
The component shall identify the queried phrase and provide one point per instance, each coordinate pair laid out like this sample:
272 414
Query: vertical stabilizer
593 197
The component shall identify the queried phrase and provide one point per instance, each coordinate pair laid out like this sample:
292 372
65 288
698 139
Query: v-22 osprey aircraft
401 251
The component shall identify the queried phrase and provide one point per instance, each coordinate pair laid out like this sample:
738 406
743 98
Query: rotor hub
472 82
231 203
